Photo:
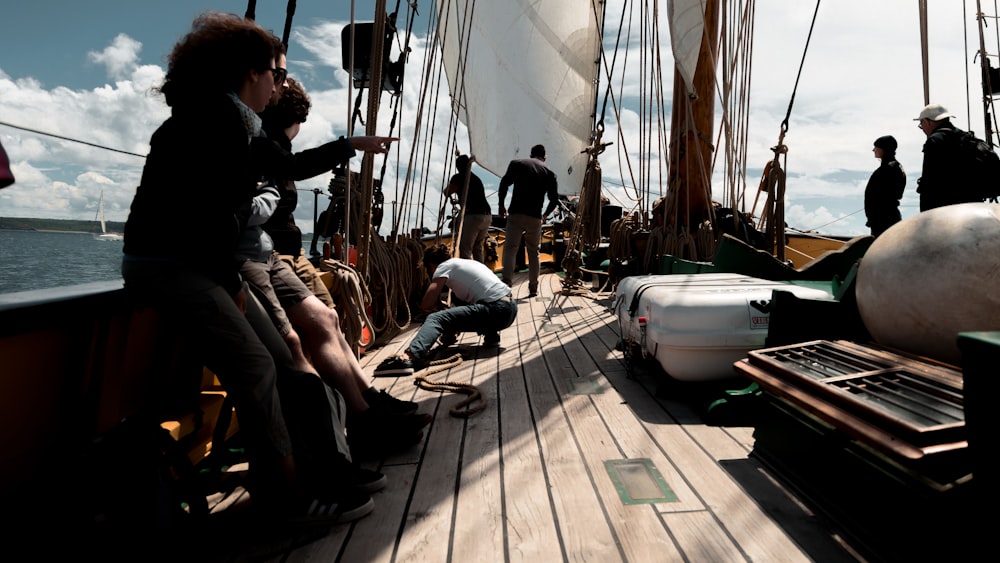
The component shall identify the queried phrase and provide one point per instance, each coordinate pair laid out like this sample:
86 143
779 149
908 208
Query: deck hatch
585 385
908 398
638 481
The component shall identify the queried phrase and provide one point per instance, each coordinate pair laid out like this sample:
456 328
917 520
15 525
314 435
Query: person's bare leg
328 348
299 360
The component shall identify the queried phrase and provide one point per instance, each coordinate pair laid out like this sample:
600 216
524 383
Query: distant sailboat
104 234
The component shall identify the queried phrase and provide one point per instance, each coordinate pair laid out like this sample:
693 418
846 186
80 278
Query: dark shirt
283 168
882 195
476 195
942 176
532 181
194 196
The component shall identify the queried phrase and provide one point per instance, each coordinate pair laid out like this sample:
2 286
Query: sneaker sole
400 371
372 486
332 513
384 449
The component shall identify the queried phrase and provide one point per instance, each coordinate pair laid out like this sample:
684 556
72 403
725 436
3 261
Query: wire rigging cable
53 135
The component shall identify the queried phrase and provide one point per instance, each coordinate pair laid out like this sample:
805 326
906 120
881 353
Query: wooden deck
529 478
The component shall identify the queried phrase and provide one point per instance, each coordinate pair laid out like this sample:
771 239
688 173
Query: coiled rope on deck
473 392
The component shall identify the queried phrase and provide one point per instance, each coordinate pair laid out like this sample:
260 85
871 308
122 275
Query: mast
368 160
987 73
922 7
691 125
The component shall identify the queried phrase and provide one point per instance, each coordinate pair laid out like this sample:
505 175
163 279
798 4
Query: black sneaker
491 339
385 403
365 480
532 293
350 475
394 366
372 436
347 506
375 427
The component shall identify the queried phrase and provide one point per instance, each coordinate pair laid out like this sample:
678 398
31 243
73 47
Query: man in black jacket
944 180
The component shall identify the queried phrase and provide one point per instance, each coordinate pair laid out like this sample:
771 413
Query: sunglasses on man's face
279 74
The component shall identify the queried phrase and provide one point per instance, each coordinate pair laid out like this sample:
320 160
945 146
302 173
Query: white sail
100 212
687 25
524 72
104 235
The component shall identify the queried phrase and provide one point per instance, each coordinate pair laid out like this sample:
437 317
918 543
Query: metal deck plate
638 481
585 385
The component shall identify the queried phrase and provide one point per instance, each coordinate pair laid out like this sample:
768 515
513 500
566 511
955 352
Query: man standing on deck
532 180
942 177
476 213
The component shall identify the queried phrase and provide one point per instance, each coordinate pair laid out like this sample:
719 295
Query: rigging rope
70 139
772 221
474 394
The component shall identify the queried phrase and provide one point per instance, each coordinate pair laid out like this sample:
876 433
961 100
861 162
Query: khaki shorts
277 287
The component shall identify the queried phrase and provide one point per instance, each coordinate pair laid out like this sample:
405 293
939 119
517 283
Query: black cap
886 143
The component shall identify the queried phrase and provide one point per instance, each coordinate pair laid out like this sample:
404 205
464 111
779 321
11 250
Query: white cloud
861 79
63 179
120 58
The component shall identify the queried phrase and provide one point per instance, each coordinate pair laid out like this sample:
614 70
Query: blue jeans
482 318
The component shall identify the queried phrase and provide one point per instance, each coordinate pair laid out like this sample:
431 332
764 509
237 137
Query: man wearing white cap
943 175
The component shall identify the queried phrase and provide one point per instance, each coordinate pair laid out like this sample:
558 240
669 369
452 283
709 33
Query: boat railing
94 392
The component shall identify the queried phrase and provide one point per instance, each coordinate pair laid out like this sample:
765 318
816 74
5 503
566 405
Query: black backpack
983 164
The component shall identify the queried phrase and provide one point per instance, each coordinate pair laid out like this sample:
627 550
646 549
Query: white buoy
932 276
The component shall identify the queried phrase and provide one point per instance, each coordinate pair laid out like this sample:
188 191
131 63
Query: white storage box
697 325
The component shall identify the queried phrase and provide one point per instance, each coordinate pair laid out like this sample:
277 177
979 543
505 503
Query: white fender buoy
932 276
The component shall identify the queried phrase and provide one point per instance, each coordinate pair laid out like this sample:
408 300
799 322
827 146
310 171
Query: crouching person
488 307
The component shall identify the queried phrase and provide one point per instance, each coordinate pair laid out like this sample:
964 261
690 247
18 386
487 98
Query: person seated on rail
219 75
282 118
377 421
315 415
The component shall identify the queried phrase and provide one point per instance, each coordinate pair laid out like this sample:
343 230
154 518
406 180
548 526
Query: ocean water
41 260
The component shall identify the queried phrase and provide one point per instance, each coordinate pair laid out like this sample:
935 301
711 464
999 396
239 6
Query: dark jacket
532 180
283 168
882 195
476 194
194 197
943 175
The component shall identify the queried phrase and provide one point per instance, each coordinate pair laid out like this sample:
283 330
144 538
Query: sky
84 70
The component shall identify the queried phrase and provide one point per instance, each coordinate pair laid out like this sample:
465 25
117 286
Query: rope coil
473 392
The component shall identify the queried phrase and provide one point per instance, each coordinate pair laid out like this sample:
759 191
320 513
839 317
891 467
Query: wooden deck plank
429 517
627 431
585 533
478 527
530 525
637 528
701 538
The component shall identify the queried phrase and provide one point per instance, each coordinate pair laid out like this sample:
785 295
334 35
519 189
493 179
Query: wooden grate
921 401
